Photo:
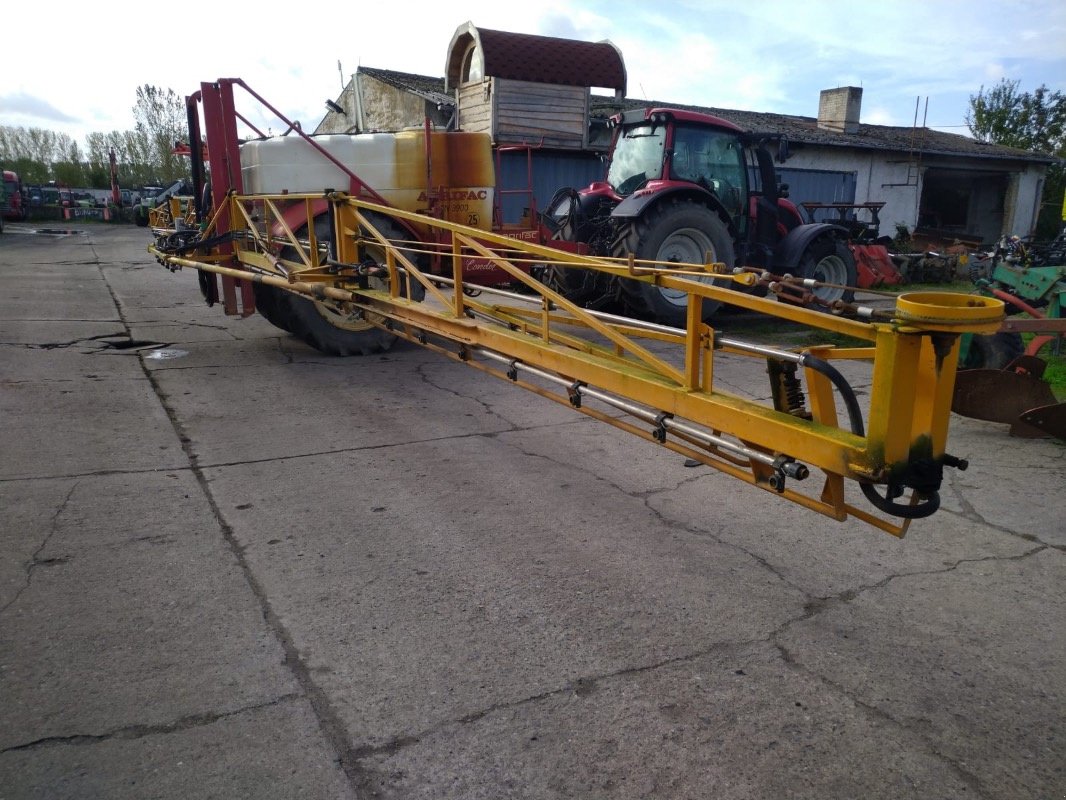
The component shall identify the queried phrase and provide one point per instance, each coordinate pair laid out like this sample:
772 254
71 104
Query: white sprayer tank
392 164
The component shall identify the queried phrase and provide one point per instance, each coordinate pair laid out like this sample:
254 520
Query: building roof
422 85
540 59
806 130
796 129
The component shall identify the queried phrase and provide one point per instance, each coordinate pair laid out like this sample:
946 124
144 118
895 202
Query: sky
80 63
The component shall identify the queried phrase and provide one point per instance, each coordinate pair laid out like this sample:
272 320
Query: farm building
534 96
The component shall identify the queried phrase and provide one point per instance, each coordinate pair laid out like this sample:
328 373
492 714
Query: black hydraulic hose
557 224
927 508
187 241
851 403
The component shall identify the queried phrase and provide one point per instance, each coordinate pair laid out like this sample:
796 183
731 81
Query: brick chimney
838 109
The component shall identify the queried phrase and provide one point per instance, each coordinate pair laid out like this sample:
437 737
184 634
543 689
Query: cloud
995 70
878 115
761 56
27 105
560 25
567 22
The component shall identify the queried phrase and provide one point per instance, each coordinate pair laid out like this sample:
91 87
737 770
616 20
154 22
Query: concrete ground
234 567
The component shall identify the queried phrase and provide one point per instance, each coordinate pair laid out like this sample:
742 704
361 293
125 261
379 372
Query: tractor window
637 158
714 160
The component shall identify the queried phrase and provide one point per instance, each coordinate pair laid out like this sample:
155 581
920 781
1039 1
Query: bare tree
161 121
97 162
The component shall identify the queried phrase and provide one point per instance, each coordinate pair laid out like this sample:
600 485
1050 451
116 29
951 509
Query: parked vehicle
153 196
677 190
13 206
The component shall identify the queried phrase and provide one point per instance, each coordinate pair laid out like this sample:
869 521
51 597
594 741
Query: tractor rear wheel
993 351
830 261
324 327
681 232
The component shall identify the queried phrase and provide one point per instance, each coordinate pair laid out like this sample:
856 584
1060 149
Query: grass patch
811 338
785 333
1055 374
963 287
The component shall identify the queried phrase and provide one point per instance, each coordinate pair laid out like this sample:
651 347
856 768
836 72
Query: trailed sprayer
352 243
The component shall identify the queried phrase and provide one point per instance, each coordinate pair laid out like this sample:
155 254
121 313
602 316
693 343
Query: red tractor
678 190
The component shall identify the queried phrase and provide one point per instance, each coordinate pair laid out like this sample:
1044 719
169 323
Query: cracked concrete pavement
235 567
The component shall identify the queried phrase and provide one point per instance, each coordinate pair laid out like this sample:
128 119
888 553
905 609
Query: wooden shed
522 88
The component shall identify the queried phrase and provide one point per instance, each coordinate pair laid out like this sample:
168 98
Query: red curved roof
547 59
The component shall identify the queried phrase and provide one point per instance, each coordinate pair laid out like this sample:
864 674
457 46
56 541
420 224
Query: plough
1007 386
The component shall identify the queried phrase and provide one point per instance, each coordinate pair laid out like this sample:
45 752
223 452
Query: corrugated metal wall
551 171
818 186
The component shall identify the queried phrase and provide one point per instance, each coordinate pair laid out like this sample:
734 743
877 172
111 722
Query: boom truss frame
542 342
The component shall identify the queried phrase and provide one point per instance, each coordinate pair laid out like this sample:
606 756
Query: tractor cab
683 187
658 153
657 150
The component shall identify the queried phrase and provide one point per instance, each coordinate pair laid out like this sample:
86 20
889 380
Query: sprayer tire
268 304
325 329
